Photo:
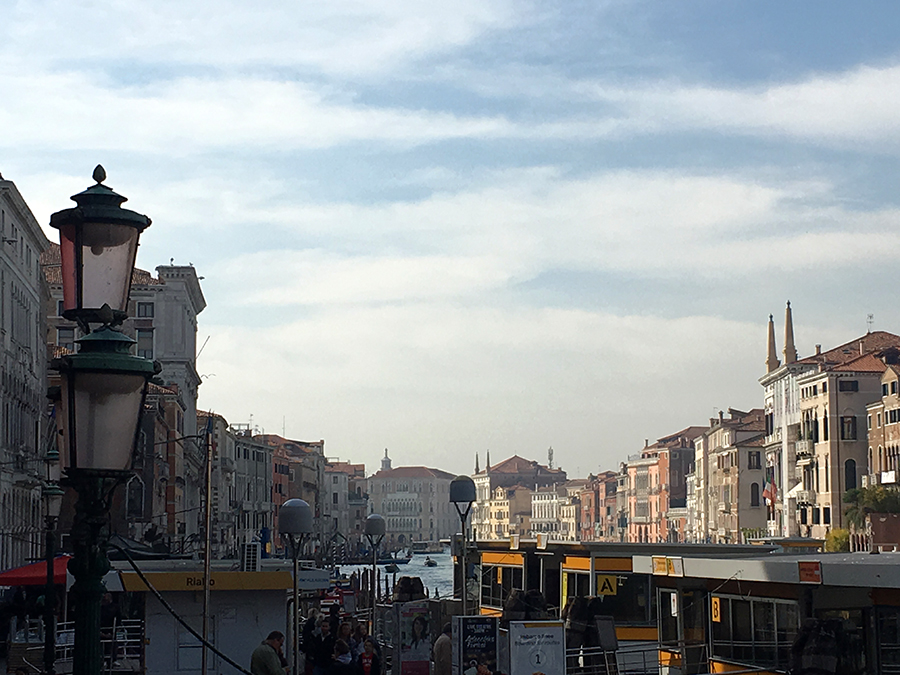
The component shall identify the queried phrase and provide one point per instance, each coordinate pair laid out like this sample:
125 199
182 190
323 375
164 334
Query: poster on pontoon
475 640
414 637
537 647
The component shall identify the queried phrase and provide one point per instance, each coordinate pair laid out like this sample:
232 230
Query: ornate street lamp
463 495
98 242
374 531
295 521
102 390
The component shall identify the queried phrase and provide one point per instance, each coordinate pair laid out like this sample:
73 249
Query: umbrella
35 574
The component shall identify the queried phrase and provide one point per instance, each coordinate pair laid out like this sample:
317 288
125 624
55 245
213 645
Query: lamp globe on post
295 521
98 242
102 389
374 530
463 495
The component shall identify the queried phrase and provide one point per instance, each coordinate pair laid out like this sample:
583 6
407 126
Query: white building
415 503
23 402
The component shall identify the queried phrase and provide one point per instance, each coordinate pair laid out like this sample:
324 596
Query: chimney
818 350
790 351
646 442
721 416
772 357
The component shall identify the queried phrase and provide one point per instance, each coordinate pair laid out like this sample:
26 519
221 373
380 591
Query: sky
499 225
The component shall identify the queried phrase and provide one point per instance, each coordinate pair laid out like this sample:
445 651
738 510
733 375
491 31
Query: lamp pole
463 495
102 389
295 521
52 495
374 531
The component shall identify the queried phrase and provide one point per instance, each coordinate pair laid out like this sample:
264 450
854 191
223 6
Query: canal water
440 577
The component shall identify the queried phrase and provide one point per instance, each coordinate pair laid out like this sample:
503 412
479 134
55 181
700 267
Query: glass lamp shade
295 517
98 246
462 490
52 495
51 461
375 526
102 393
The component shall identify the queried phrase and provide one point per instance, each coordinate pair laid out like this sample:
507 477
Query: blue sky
493 225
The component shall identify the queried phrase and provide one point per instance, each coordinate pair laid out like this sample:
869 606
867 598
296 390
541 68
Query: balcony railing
806 498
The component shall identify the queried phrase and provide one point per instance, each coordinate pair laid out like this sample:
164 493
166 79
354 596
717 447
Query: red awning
35 574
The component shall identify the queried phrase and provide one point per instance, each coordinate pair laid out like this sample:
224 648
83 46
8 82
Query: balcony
888 477
723 507
806 498
804 447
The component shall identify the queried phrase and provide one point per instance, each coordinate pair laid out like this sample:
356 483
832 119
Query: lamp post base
89 563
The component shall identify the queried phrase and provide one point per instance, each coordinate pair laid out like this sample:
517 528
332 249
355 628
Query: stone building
789 449
509 473
415 503
23 402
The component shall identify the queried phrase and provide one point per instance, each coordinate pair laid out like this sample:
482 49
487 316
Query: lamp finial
99 174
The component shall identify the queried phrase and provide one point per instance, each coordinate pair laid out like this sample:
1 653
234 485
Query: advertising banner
414 637
537 648
475 641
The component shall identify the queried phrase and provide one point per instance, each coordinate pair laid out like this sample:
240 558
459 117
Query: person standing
369 661
324 649
443 651
265 659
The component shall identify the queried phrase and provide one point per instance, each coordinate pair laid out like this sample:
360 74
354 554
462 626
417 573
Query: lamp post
462 494
52 496
374 531
102 387
295 520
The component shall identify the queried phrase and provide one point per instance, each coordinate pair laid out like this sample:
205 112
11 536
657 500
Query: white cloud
349 37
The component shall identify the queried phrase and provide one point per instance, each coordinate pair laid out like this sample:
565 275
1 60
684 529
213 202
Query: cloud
346 37
564 376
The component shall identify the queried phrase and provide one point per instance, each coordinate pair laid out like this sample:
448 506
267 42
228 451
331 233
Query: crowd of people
335 647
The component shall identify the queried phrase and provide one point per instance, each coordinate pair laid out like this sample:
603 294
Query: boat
427 547
394 561
429 562
392 568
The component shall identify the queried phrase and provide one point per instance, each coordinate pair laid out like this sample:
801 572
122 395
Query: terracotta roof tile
870 342
867 363
414 472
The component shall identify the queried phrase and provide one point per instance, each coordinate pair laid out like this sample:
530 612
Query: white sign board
537 647
312 580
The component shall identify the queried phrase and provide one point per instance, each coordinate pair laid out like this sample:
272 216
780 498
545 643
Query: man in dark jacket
323 649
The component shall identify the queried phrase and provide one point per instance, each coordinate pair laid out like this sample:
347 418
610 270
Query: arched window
849 474
754 494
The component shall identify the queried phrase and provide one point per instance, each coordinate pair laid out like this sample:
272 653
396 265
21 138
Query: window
826 515
754 494
824 387
848 428
848 385
145 344
753 460
868 421
145 310
334 498
815 515
884 389
65 338
850 474
59 308
894 387
878 420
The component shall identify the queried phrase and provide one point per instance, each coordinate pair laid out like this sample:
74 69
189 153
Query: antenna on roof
870 319
550 457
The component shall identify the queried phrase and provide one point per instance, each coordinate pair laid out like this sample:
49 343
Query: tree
837 540
875 499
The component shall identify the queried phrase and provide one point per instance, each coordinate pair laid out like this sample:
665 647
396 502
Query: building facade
23 402
415 503
511 472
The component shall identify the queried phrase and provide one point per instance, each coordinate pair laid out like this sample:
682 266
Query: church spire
772 358
790 351
487 462
476 463
386 462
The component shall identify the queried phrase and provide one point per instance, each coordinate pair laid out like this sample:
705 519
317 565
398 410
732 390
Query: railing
122 646
639 659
